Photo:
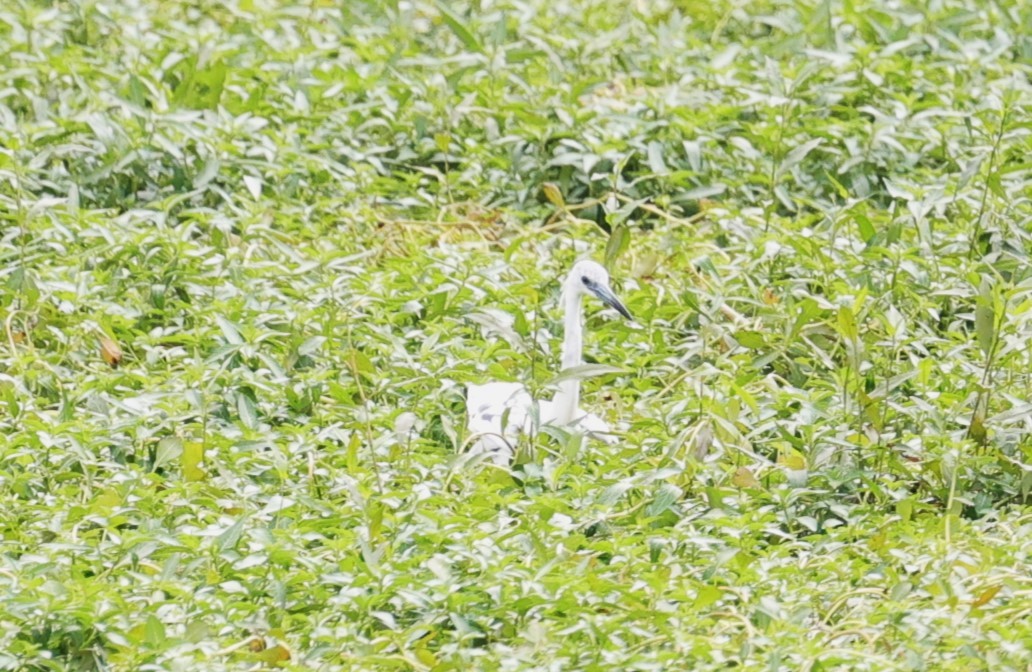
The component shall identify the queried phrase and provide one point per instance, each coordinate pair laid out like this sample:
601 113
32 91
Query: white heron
492 404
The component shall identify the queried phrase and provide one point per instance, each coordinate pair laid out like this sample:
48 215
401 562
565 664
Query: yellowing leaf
986 595
553 194
193 460
792 461
744 478
110 352
275 654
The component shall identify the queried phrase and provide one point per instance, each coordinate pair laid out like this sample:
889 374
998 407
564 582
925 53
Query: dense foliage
253 251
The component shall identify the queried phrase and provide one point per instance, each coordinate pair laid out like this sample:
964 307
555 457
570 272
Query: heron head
590 278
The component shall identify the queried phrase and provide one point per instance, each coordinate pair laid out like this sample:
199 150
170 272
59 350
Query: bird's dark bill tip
607 297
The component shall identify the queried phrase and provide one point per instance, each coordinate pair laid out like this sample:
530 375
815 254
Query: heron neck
568 398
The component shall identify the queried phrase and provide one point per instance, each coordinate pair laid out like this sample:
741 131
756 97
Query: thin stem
977 233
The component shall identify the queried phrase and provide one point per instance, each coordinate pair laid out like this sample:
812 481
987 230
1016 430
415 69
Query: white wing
486 406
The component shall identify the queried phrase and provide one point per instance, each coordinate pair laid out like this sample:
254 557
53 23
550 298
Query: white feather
491 405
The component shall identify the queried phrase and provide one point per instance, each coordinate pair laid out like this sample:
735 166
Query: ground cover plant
254 250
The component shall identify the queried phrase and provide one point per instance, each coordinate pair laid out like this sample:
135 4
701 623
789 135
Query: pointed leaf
656 162
553 194
614 492
229 538
665 497
619 241
254 186
456 25
798 154
229 330
248 413
847 324
586 371
169 450
985 326
986 595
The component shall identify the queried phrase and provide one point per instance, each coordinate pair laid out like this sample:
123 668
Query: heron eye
585 280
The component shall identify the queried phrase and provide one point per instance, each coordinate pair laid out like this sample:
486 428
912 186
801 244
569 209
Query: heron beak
607 297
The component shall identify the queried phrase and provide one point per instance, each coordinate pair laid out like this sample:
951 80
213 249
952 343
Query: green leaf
199 87
584 371
247 411
229 330
169 450
24 282
798 154
312 346
362 364
985 326
153 631
665 496
707 596
864 227
351 453
847 324
754 340
459 28
614 492
230 537
619 241
656 162
985 315
808 309
10 397
136 91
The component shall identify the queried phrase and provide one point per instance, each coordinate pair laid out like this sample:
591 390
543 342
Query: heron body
499 412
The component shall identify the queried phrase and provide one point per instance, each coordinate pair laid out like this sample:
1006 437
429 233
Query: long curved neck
567 399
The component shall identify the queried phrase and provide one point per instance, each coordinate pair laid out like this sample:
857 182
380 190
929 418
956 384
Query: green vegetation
299 229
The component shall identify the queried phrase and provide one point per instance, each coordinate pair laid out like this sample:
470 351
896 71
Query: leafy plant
253 251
